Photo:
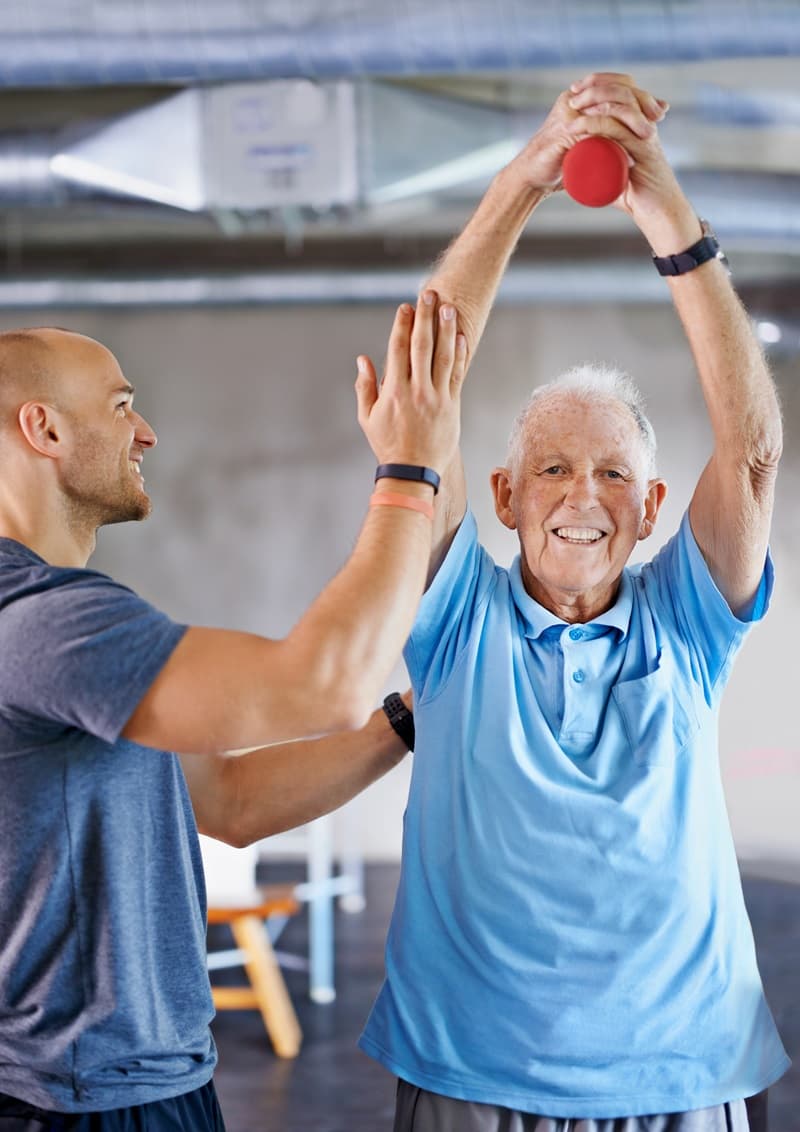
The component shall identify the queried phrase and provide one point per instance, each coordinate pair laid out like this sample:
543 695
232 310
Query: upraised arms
470 271
732 505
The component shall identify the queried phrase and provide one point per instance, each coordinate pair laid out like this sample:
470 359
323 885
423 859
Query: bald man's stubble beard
89 515
135 513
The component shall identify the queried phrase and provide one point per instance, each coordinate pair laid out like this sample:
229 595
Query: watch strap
413 472
400 717
706 248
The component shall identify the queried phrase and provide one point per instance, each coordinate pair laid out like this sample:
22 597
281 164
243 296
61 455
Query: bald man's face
104 438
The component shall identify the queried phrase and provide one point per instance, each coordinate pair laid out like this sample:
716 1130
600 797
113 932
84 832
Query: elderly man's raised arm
731 508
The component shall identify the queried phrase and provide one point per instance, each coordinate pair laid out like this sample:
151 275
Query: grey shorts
420 1111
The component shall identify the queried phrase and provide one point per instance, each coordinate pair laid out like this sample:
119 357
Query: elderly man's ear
500 480
656 494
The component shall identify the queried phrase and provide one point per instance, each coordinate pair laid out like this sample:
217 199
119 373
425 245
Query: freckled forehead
565 420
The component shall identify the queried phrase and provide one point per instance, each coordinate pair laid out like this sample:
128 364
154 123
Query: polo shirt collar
537 618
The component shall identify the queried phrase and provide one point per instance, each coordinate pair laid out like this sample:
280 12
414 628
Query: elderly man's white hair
590 382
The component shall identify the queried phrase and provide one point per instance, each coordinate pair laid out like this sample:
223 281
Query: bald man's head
30 367
68 429
45 363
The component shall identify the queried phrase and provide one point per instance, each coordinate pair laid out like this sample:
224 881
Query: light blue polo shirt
569 936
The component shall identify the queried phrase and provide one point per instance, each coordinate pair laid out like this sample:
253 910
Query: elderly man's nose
581 490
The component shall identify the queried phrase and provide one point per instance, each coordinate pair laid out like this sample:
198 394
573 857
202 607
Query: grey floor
332 1087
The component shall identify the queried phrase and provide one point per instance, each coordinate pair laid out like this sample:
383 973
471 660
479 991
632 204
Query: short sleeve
458 592
680 575
81 654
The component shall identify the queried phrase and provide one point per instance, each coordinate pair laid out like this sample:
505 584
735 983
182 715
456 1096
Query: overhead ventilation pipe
56 43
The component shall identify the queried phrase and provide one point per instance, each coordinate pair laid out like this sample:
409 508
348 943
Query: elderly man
570 947
104 995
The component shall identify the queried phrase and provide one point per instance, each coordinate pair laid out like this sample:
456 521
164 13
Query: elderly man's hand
612 106
414 418
607 104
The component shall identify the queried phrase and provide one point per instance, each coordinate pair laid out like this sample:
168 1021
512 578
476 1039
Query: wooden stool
267 990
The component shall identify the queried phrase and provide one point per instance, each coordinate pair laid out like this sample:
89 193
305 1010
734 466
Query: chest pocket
658 715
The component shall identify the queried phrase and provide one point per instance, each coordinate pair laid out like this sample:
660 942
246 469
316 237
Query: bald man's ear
500 480
40 425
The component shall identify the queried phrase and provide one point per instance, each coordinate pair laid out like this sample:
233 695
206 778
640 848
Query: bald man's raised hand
414 416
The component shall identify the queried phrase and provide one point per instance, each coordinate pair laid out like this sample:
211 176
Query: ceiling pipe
609 281
54 43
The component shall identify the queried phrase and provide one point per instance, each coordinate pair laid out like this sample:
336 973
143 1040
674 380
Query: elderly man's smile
579 535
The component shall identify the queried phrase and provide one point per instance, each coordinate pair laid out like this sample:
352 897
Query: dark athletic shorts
197 1111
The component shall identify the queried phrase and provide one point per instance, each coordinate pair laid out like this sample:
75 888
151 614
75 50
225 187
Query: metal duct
80 42
246 146
292 143
25 173
265 145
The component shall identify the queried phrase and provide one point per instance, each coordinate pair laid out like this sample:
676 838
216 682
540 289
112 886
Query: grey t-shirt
104 994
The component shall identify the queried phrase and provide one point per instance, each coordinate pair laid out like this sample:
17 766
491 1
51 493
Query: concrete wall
261 477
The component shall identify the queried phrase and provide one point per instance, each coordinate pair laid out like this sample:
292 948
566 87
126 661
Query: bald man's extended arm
244 798
224 690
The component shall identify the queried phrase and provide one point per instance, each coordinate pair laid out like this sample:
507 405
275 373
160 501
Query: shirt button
579 676
575 634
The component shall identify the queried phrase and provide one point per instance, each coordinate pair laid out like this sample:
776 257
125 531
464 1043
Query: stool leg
267 982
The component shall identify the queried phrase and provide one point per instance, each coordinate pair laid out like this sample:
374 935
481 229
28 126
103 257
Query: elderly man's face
579 500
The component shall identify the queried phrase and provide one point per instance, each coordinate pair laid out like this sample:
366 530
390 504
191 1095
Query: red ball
595 171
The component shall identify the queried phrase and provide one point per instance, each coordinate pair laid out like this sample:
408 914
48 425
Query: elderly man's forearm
739 391
469 272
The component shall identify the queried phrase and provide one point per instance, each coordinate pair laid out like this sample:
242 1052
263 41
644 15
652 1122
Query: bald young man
104 996
570 950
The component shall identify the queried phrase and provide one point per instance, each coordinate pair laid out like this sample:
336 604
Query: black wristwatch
401 719
706 248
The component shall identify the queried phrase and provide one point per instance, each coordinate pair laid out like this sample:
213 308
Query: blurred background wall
234 196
